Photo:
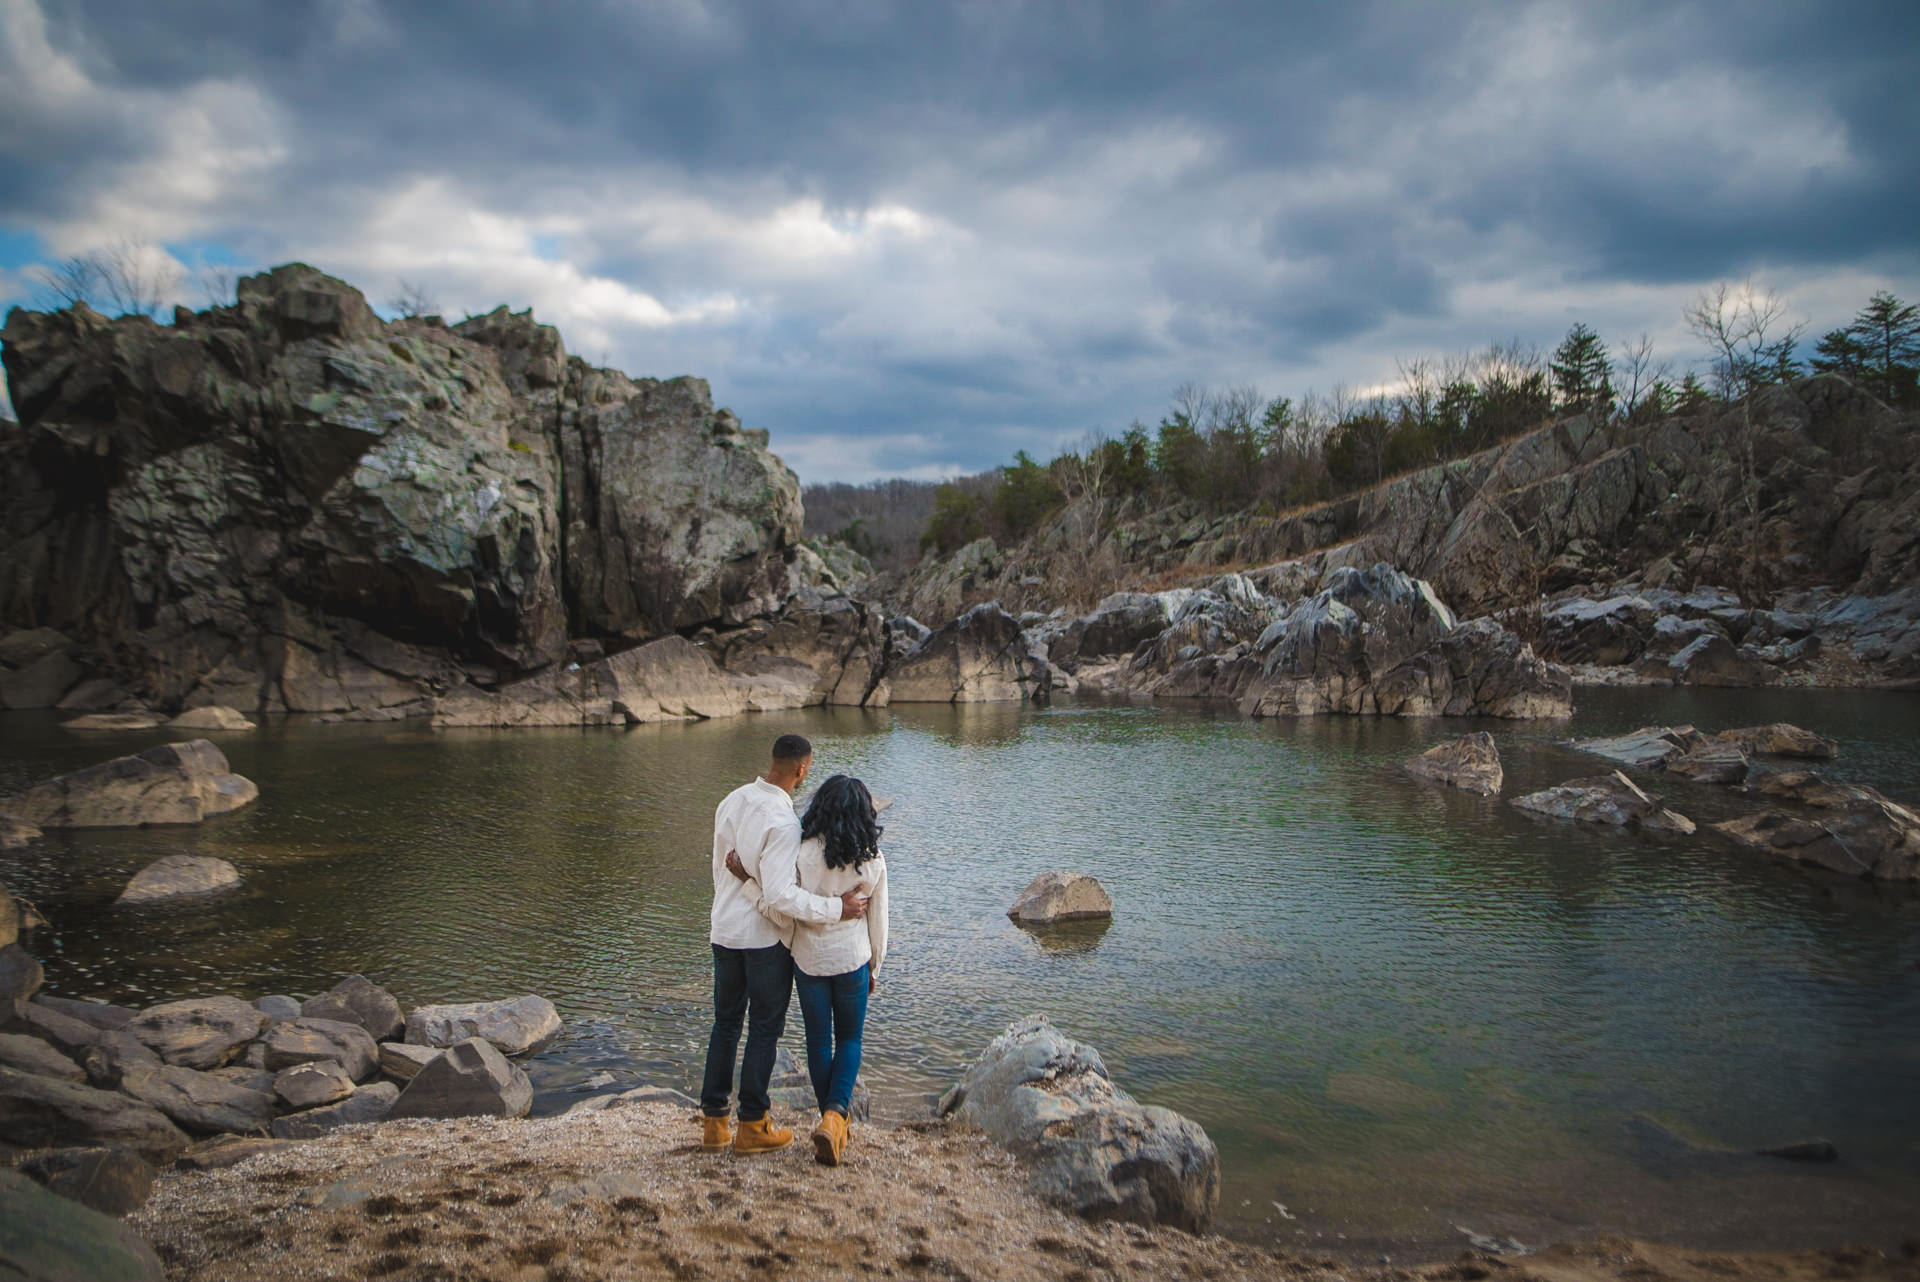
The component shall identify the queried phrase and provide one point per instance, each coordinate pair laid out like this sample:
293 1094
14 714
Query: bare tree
69 281
1640 374
1750 343
414 299
129 278
219 284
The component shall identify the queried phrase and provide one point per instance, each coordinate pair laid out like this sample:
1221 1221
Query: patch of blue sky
19 248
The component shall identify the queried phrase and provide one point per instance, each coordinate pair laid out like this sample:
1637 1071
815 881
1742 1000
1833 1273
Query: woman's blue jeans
834 1009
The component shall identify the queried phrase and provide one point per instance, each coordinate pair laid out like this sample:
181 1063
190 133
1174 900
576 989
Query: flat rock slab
303 1040
312 1085
45 1237
45 1112
1852 829
112 721
212 718
179 877
402 1060
175 783
31 1055
110 1180
67 1035
1710 762
515 1026
1471 762
1649 747
199 1032
1605 799
369 1103
1061 896
99 1014
199 1102
1781 739
471 1079
357 1000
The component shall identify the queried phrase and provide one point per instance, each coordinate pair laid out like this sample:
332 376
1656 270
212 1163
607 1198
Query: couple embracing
796 902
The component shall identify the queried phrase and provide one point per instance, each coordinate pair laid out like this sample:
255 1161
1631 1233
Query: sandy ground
628 1194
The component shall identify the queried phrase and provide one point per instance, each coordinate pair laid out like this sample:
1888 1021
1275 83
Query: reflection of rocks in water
1070 938
973 725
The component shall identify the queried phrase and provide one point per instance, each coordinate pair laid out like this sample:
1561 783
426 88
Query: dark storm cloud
933 227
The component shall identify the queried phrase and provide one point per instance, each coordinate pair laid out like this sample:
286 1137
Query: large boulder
1087 1144
175 783
1471 762
304 1040
402 1061
369 1103
103 1015
179 877
470 1079
358 1000
46 1112
515 1025
1061 896
45 1237
1605 799
312 1085
64 1033
981 657
670 679
110 1180
199 1032
111 1055
199 1101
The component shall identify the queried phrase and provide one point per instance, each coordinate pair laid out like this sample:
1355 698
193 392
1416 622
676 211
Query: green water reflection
1397 1009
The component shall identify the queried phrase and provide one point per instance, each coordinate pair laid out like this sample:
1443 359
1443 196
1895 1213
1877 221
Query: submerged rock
179 877
141 720
1605 799
175 783
212 717
1061 896
1471 762
1087 1144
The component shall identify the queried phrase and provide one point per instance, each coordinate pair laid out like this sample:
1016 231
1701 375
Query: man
752 967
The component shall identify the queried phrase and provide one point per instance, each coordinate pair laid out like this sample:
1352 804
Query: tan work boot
830 1138
715 1134
759 1137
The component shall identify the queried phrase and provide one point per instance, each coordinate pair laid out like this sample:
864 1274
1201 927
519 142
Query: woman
835 963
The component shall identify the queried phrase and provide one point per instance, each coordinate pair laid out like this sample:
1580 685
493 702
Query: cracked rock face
290 504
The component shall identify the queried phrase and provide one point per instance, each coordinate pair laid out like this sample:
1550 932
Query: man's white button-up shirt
757 820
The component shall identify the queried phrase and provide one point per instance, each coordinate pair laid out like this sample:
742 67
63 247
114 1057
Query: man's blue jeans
752 985
834 1009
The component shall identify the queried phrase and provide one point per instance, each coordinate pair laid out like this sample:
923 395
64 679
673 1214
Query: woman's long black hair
842 812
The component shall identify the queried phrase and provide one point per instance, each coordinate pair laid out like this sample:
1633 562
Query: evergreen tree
1583 374
1887 333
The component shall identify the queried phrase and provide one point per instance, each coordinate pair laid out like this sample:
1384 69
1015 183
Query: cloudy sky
912 237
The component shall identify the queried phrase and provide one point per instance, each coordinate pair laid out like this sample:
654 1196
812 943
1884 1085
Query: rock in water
1471 762
367 1104
1649 747
312 1085
1851 829
1061 896
212 717
112 1180
1781 740
1605 799
16 832
31 1055
112 721
1088 1145
1710 762
198 1101
470 1079
304 1040
402 1060
175 783
179 877
515 1026
45 1112
200 1032
357 1000
48 1238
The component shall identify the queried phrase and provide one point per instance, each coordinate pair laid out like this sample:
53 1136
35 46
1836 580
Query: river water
1402 1012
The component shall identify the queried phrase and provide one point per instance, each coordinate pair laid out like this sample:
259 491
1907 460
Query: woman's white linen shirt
834 948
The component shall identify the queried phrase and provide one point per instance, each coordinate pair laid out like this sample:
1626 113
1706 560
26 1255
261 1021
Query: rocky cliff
290 504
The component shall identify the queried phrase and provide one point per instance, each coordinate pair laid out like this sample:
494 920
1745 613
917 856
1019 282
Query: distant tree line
1234 449
881 520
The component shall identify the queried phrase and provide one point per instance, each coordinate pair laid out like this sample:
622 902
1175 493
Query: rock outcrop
174 783
1470 762
1061 896
1087 1144
984 656
289 504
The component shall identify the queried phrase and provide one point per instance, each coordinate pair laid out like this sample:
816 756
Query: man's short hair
792 748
